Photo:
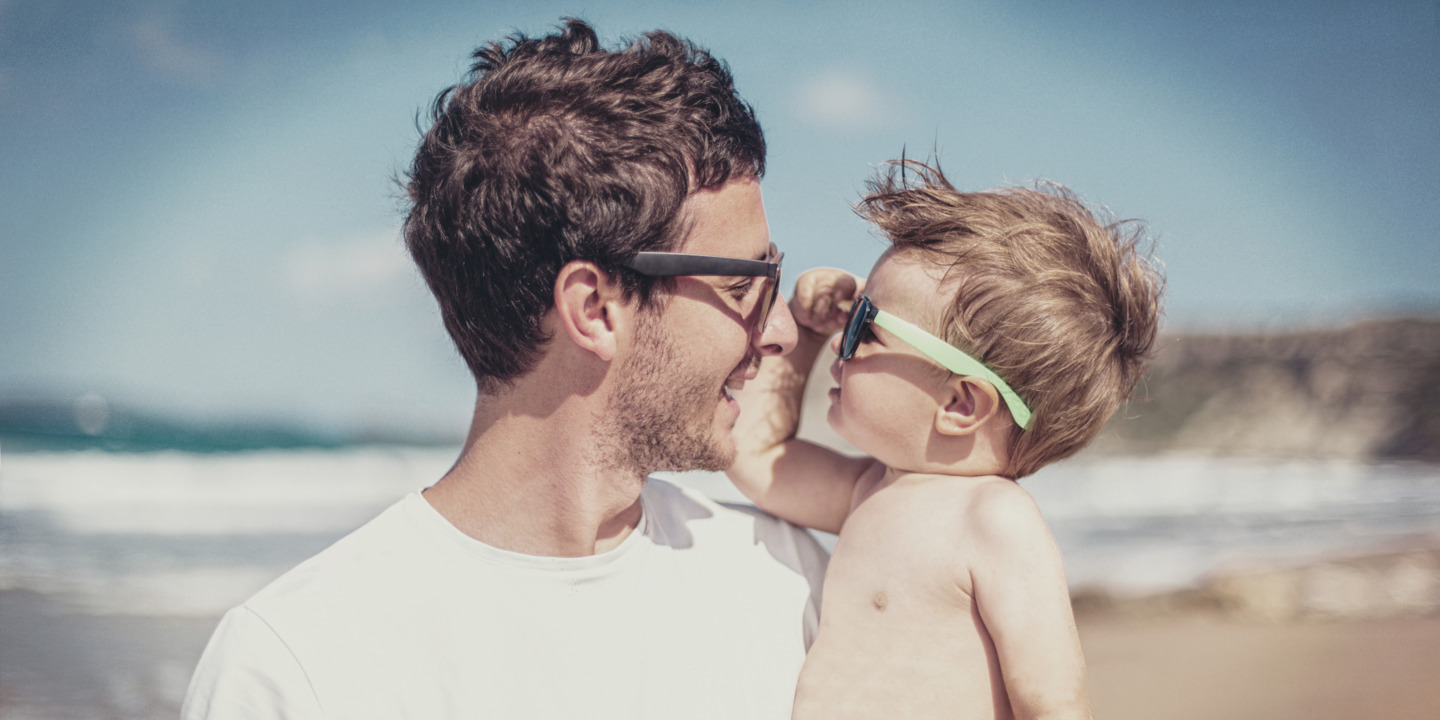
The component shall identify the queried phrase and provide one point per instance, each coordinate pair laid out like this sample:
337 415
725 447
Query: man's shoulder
345 566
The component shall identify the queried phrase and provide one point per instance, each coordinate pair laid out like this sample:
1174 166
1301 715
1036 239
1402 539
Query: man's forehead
727 221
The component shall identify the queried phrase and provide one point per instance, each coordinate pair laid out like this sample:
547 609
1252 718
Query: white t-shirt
705 611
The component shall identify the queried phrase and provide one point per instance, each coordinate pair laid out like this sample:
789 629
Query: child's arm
1019 584
796 480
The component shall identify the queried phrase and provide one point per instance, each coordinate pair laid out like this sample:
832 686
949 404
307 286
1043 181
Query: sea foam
172 533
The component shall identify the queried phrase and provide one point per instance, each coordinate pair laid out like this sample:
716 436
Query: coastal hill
1370 391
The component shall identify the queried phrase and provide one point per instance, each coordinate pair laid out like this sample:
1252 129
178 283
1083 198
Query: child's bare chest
898 625
899 554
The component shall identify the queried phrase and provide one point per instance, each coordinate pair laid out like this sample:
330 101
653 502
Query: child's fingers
823 298
812 286
822 302
811 303
845 289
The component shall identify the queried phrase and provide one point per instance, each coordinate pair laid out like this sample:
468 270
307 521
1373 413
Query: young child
997 334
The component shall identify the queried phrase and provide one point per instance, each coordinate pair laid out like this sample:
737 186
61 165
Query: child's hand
823 298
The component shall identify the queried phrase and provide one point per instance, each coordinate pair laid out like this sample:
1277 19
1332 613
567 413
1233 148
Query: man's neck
532 479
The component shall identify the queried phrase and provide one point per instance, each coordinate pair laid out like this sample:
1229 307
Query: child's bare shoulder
1002 528
993 509
977 526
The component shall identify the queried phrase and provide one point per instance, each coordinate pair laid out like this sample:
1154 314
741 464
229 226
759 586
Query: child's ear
588 303
971 402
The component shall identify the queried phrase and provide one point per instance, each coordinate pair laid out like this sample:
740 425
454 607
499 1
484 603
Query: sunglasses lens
767 303
853 329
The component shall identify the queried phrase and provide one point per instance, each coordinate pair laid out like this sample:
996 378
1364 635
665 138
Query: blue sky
198 209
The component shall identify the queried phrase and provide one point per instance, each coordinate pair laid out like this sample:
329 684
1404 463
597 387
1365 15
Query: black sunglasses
667 264
950 357
862 313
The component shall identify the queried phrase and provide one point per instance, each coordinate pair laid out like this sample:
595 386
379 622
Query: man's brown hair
1061 305
555 149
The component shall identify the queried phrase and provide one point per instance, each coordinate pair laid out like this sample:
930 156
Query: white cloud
846 100
356 270
169 55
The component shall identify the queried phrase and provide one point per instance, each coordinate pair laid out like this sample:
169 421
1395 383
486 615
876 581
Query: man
591 224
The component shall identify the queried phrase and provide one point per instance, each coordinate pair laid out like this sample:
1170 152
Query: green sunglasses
667 264
949 356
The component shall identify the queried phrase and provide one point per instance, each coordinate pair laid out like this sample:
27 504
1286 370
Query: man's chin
687 452
722 460
718 457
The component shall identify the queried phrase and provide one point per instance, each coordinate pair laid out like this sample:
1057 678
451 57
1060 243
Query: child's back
945 596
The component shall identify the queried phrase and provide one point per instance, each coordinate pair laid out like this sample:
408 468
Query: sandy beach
60 663
1191 664
1317 594
1349 636
1204 665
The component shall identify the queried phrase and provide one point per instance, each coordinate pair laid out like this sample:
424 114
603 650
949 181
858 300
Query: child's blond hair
1061 305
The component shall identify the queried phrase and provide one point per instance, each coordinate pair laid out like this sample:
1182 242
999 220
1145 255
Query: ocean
114 567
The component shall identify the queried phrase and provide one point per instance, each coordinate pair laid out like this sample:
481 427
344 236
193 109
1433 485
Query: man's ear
586 300
971 403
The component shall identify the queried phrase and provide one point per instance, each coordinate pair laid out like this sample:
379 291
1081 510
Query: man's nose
779 334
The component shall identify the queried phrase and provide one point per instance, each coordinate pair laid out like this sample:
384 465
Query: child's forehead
912 269
910 286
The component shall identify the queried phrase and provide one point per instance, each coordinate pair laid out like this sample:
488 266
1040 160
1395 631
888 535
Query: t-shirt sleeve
797 549
247 671
813 561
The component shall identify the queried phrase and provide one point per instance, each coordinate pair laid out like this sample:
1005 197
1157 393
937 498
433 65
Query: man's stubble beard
661 416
